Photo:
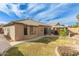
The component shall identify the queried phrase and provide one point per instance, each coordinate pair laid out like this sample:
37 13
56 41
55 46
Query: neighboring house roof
56 25
27 22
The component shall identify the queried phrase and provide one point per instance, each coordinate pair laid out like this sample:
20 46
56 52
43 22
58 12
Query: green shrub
63 32
46 40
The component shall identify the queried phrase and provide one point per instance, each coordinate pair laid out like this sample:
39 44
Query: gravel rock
67 51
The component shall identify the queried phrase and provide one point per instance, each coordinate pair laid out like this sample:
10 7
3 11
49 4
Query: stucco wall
40 30
10 30
17 32
29 36
20 32
19 29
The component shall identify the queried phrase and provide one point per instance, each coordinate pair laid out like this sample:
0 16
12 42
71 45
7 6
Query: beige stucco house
25 29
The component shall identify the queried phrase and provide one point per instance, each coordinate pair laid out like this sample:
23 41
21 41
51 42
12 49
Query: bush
63 32
46 39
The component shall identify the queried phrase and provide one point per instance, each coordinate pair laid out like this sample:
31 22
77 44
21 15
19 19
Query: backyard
43 47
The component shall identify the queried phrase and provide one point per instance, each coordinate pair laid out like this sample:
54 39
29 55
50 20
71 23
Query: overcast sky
43 12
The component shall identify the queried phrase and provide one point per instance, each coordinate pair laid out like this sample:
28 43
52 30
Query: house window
32 30
25 31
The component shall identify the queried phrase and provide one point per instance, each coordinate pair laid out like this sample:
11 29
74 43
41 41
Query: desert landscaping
47 46
43 46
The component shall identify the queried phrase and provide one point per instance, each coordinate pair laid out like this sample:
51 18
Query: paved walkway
4 44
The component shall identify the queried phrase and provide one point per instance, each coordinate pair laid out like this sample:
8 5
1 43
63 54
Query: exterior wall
10 30
29 36
40 30
19 32
19 29
1 30
52 27
16 31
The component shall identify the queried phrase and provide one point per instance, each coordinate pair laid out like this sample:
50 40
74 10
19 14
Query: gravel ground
68 50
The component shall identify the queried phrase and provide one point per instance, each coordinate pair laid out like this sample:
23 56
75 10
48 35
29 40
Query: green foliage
14 52
46 40
63 32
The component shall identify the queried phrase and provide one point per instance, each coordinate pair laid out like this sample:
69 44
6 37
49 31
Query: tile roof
31 22
27 22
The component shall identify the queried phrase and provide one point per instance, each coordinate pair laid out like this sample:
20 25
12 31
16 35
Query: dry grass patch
35 49
62 41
